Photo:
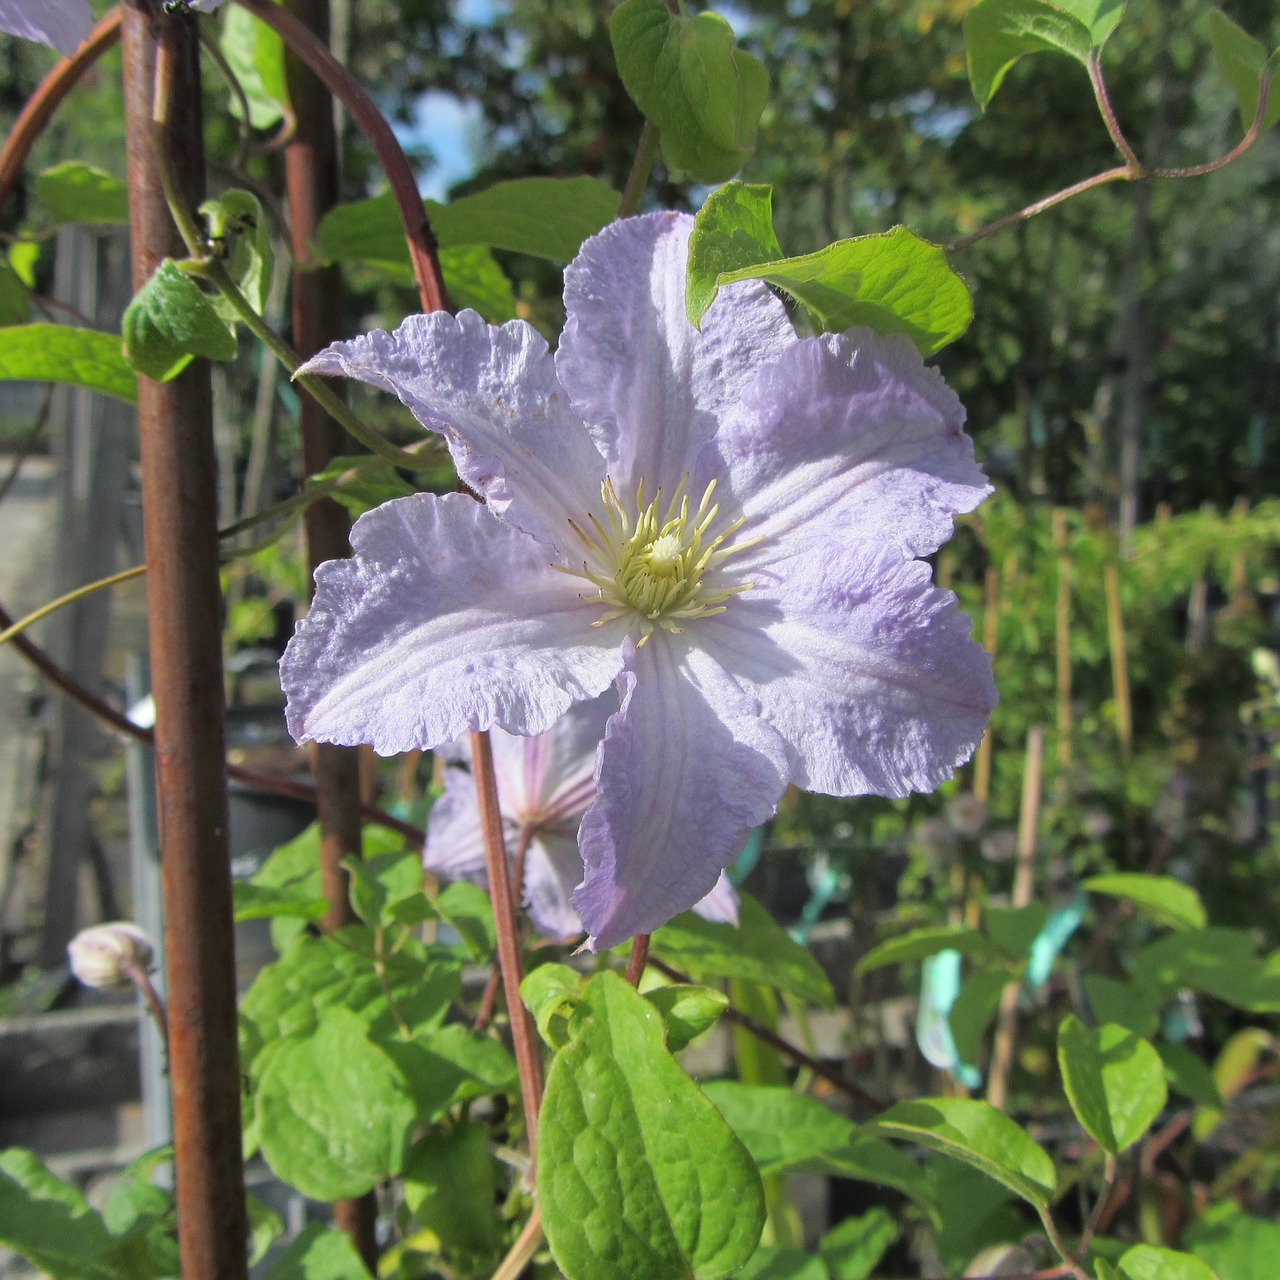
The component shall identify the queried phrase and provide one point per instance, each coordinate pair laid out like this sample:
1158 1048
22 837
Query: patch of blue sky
451 129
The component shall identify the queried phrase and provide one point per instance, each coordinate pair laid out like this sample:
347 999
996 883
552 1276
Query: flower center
658 566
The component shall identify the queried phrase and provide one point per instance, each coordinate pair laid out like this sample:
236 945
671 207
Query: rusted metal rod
312 176
181 533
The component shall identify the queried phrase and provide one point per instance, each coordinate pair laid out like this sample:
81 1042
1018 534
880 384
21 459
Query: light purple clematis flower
545 784
723 522
64 24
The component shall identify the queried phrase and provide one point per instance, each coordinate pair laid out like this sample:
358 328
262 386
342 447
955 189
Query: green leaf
169 321
143 1217
687 75
1236 1245
452 1065
687 1011
365 491
769 1262
237 224
1242 60
450 1185
1014 929
1114 1081
377 884
870 1159
781 1129
975 1006
255 54
48 1222
853 1248
999 32
1162 898
265 1228
318 1253
77 192
1217 961
15 297
466 909
1114 1001
756 949
543 217
892 282
635 1164
920 943
23 256
257 902
289 996
551 992
1188 1075
1151 1262
59 353
732 230
474 279
979 1135
1100 16
1103 1270
334 1110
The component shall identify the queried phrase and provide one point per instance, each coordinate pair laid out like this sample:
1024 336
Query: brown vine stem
48 97
1131 171
526 1245
638 959
348 90
797 1055
1108 112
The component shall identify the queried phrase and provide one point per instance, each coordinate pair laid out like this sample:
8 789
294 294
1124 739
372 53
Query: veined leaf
999 32
59 353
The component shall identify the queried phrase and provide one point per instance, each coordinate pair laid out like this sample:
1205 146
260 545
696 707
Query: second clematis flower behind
724 523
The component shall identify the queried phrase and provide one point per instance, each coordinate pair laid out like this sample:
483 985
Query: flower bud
96 955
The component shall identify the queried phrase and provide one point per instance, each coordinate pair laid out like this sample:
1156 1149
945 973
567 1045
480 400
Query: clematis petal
454 848
865 668
849 432
567 783
686 769
553 868
447 619
64 24
720 906
650 387
492 393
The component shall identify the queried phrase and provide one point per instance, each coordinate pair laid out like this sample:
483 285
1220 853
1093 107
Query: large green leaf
1014 929
999 32
170 320
781 1128
543 217
77 192
255 54
732 230
450 1185
1151 1262
474 279
59 353
1242 60
1100 16
450 1065
892 282
1114 1081
334 1110
48 1222
1238 1246
853 1248
755 949
1215 960
318 1253
919 943
1164 899
771 1262
638 1173
688 76
979 1135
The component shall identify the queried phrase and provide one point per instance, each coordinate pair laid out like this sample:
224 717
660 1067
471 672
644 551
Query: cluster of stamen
654 565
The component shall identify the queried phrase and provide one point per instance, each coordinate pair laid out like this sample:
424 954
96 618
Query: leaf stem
525 1247
641 168
1055 1238
1103 99
71 597
1110 1169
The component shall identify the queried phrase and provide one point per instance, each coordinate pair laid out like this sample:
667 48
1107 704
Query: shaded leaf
1242 60
255 54
169 321
1237 1245
1014 929
781 1129
687 1011
59 353
999 32
1114 1081
1162 898
318 1253
853 1248
450 1186
474 279
920 943
732 230
77 192
1151 1262
550 992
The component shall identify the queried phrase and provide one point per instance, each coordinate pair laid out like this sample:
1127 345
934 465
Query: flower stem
641 168
526 1245
71 597
638 959
1073 1268
504 918
155 1006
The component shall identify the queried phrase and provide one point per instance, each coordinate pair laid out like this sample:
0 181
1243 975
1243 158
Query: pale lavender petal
650 387
569 763
686 769
720 906
865 668
447 619
492 393
552 871
64 24
454 848
848 433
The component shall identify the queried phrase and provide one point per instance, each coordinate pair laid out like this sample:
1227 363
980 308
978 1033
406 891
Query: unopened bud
98 955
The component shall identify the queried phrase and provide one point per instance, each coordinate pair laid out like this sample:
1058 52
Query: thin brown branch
638 959
1108 112
797 1055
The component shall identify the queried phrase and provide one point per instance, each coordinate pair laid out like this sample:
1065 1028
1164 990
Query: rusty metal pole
184 618
312 175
